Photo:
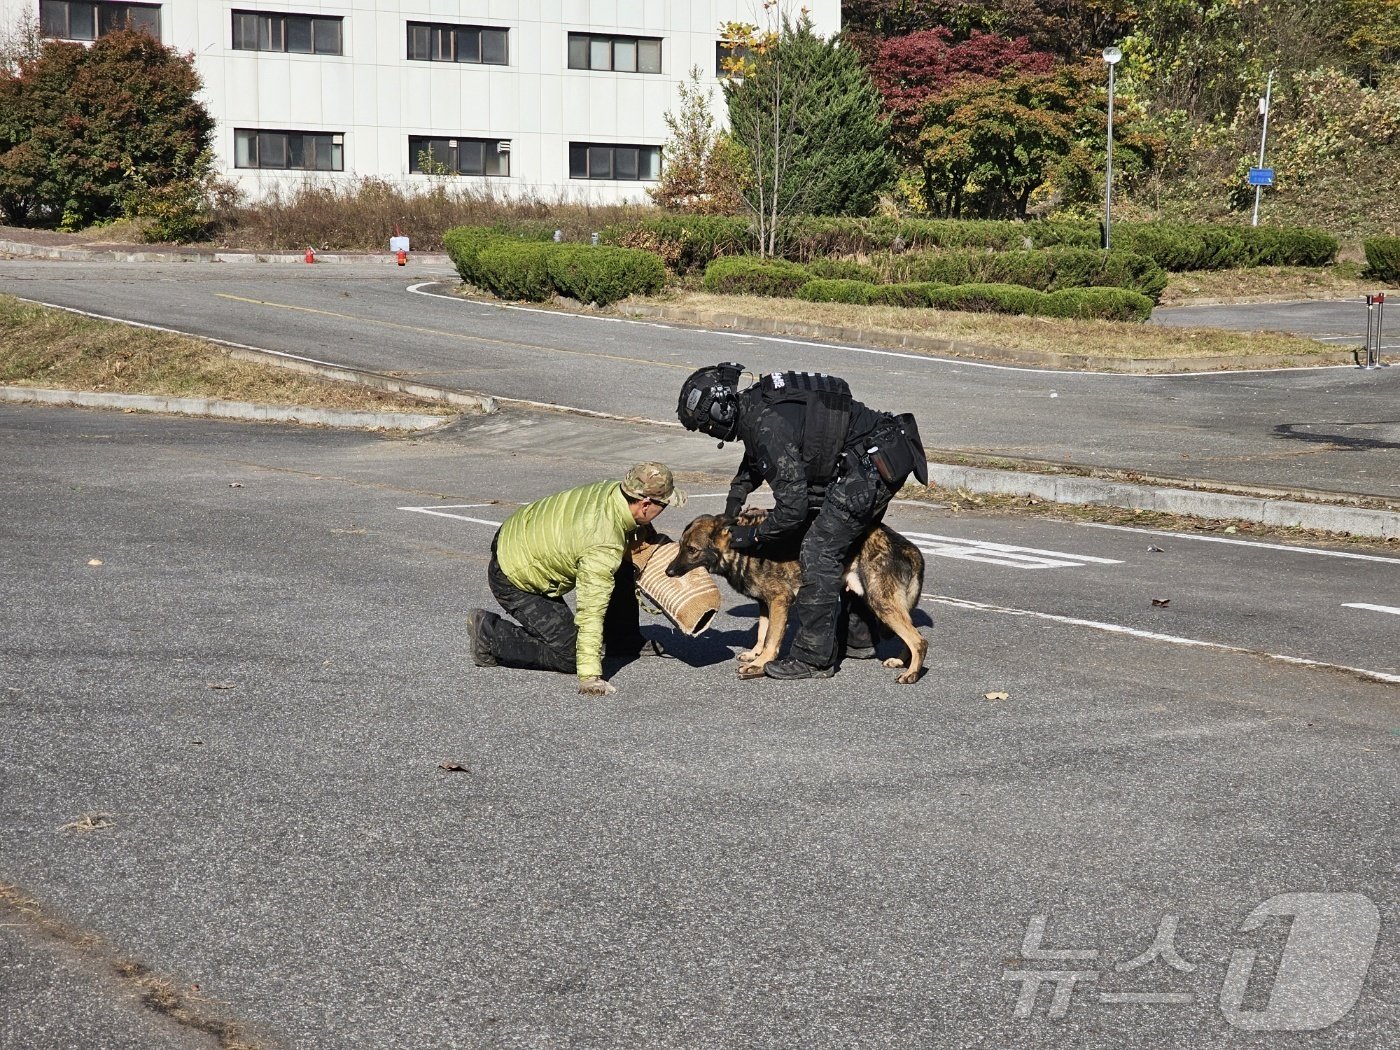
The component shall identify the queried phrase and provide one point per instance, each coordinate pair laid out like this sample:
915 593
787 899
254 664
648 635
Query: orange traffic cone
311 255
403 258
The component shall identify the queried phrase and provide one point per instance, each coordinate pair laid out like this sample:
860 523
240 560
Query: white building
561 99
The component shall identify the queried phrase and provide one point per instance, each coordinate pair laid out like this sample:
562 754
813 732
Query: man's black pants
546 638
855 503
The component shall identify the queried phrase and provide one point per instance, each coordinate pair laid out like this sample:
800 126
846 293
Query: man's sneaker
792 668
481 651
860 652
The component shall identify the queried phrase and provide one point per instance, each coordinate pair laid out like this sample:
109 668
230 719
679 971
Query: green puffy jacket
575 538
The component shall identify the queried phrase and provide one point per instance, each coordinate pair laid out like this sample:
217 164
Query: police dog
887 571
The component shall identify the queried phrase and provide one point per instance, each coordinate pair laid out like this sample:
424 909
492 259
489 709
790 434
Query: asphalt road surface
1323 429
258 682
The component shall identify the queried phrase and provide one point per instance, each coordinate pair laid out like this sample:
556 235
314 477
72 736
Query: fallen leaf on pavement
996 696
221 685
1154 550
95 561
1161 602
453 767
88 822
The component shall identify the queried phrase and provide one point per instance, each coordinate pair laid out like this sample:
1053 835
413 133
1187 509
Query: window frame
590 45
647 160
453 34
271 34
102 18
334 145
489 148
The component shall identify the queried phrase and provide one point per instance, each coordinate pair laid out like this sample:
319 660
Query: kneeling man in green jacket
577 539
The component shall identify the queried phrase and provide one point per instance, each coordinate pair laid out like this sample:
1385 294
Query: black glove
743 537
733 507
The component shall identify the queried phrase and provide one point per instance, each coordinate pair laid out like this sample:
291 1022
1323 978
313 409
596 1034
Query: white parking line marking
1153 636
1000 553
1372 608
1246 543
441 511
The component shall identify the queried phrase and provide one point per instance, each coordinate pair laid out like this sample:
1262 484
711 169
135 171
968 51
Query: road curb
978 351
218 408
1081 491
138 255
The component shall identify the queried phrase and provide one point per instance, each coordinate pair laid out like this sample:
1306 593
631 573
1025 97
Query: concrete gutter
218 408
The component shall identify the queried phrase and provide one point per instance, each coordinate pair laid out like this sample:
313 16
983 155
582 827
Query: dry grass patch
42 347
1269 282
1103 340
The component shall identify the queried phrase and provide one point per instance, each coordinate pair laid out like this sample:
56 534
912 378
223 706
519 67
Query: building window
289 150
86 20
295 34
431 42
621 54
728 54
458 156
627 163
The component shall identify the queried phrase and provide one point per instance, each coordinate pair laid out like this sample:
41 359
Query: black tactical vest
826 416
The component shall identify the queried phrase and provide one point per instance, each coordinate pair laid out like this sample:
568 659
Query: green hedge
690 243
750 275
912 294
1383 258
1112 304
603 275
516 269
837 290
535 268
1106 304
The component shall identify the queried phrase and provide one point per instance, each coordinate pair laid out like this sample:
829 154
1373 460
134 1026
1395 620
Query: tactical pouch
899 453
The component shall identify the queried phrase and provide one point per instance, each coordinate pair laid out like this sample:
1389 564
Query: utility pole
1263 138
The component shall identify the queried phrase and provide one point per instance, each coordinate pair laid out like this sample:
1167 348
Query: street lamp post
1111 55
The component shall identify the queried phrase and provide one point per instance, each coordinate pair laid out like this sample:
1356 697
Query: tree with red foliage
910 71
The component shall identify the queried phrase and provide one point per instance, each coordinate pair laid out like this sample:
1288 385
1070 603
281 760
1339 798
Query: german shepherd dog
887 571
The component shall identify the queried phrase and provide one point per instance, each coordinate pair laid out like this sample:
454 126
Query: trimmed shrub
1383 258
988 298
516 269
464 244
844 270
824 290
751 275
603 275
907 295
685 243
1109 304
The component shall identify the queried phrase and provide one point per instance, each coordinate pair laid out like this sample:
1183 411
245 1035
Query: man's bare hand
596 687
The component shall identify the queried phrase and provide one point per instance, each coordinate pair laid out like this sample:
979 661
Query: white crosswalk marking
1000 553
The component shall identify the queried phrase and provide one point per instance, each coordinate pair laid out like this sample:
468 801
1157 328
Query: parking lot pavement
259 682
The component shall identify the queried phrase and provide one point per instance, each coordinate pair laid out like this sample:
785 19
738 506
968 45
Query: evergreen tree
805 111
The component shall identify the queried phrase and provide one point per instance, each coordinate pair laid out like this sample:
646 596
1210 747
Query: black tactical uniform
811 442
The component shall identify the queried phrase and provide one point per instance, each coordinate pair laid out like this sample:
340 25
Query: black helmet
709 401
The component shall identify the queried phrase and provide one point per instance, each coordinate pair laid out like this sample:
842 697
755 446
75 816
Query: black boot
481 647
793 668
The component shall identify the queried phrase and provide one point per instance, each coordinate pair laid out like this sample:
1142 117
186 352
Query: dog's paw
748 656
892 661
909 677
748 671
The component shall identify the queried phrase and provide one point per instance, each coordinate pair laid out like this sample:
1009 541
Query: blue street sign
1261 176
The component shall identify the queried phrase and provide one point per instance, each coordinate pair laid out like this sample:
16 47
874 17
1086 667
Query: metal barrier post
1375 316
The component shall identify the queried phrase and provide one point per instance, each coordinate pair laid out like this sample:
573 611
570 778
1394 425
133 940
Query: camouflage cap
653 481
